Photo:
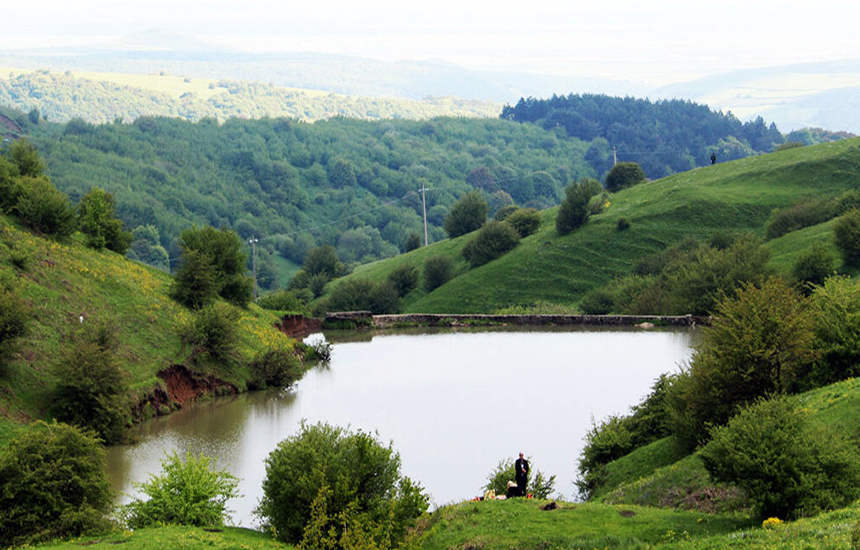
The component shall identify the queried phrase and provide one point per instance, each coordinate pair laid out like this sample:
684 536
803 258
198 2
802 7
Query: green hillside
737 196
62 283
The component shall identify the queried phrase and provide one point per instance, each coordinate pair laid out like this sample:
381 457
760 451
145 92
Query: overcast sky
653 41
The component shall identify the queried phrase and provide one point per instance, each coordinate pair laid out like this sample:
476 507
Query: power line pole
614 156
424 204
254 241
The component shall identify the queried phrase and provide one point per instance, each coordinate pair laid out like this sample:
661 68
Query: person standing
521 468
713 158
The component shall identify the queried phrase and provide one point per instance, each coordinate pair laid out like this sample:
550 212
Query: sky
653 42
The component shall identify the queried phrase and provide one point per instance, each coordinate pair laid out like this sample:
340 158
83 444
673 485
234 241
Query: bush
323 260
44 208
622 225
787 467
505 211
26 158
351 295
413 242
574 210
384 298
623 175
93 390
276 368
188 492
492 241
812 267
539 485
525 220
222 249
14 321
437 271
804 214
468 214
358 470
195 284
598 301
846 235
404 278
836 310
96 219
8 185
53 483
213 333
295 301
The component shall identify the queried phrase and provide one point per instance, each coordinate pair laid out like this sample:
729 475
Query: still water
454 404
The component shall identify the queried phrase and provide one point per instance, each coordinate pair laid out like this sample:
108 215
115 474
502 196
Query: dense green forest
664 137
61 97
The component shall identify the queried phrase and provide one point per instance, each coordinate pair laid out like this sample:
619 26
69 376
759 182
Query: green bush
213 333
623 175
598 301
812 267
848 201
222 251
622 225
466 215
836 311
294 300
413 242
574 210
323 260
505 211
14 321
525 220
351 295
276 368
26 158
44 208
846 235
8 185
787 467
437 271
384 298
358 470
93 390
195 284
53 483
96 219
188 492
804 214
493 241
538 485
404 278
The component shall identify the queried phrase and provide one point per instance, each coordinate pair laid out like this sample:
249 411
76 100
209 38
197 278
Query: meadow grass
175 536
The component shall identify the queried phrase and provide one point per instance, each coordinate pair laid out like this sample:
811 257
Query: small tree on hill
96 219
468 214
624 174
492 241
222 250
574 210
44 208
437 271
847 237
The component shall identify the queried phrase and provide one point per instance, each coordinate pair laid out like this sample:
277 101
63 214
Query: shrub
188 492
213 333
598 301
316 284
358 470
812 267
14 321
466 215
622 225
323 260
848 201
846 235
26 158
404 278
787 467
492 241
276 368
8 185
351 295
52 484
505 211
574 210
437 271
623 175
295 300
44 208
804 214
384 298
96 219
539 485
413 242
525 220
195 284
222 249
836 310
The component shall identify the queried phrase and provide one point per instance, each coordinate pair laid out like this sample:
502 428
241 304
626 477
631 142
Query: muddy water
454 404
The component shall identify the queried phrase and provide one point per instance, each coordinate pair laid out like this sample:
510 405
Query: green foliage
384 298
437 271
624 175
52 484
222 251
525 220
598 301
276 368
146 247
351 295
404 279
466 215
188 492
360 472
505 211
538 485
96 219
623 224
8 184
92 388
492 241
574 211
846 235
758 345
195 284
14 321
812 267
787 466
44 208
26 158
836 314
804 214
413 242
213 333
293 300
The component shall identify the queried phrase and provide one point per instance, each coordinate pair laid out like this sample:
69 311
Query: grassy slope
61 282
735 196
172 536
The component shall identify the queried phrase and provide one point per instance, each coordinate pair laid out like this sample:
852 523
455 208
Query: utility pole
254 241
424 204
614 156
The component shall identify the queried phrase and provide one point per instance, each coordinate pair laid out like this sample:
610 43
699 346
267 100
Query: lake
454 404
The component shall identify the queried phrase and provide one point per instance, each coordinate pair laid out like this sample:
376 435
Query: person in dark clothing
521 467
713 158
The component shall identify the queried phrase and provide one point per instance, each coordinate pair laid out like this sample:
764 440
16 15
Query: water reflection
453 403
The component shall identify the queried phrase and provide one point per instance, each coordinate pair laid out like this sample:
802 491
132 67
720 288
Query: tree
493 241
222 249
539 485
44 208
188 492
413 241
404 278
623 175
195 284
96 219
836 309
846 235
574 212
812 267
14 320
53 483
358 471
437 271
323 260
146 247
466 215
525 220
26 158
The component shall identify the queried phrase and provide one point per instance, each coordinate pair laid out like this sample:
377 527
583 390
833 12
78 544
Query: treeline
63 97
351 184
664 137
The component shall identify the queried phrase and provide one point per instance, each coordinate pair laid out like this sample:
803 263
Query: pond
453 403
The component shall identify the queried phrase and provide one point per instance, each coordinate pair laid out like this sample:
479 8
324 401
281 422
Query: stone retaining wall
454 320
